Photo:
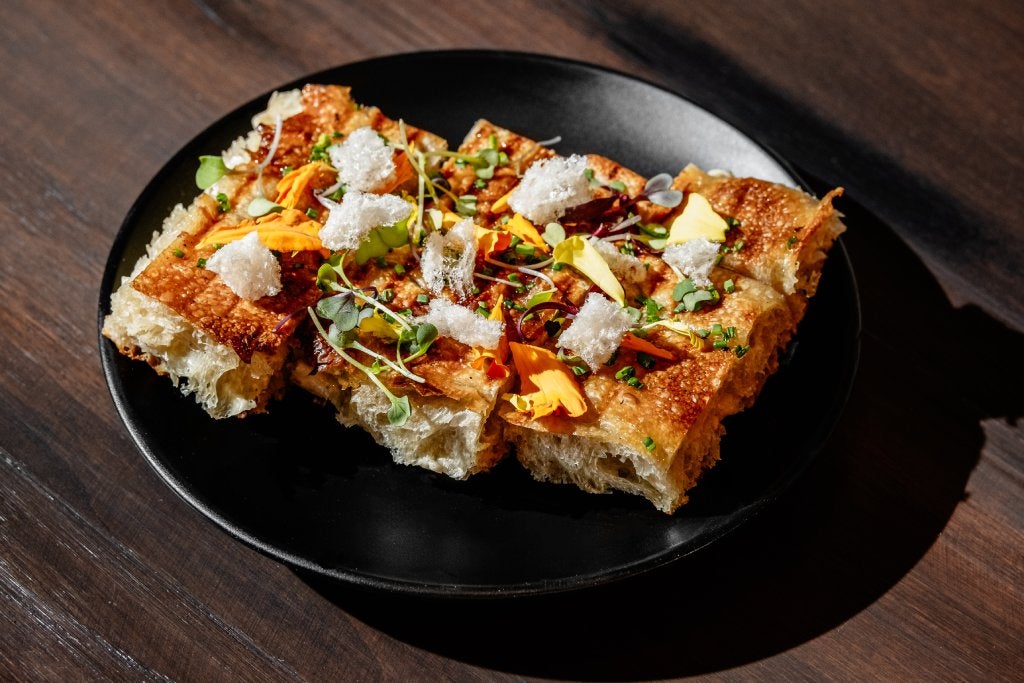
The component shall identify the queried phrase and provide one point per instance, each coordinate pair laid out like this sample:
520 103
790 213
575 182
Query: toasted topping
578 252
463 324
693 260
448 259
596 331
547 383
698 220
247 267
359 213
550 187
363 160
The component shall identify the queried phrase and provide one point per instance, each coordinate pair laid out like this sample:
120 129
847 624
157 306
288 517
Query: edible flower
579 253
634 343
294 188
496 368
547 383
697 219
525 230
288 231
490 242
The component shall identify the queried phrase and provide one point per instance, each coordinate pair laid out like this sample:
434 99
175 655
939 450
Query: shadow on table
851 528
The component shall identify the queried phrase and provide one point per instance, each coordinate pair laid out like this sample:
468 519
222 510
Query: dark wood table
900 553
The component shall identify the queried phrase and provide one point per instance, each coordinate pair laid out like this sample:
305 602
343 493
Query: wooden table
900 554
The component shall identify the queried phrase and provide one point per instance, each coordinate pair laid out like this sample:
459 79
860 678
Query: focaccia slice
781 236
182 319
657 440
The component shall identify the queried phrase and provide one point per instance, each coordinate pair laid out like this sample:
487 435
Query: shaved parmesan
283 105
625 267
247 267
352 220
448 259
693 260
463 324
596 331
363 161
550 187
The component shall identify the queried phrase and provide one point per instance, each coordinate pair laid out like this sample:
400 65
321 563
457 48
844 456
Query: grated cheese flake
596 331
448 259
358 213
463 324
247 267
693 259
281 104
550 187
625 267
363 160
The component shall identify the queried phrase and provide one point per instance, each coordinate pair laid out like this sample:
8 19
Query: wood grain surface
899 555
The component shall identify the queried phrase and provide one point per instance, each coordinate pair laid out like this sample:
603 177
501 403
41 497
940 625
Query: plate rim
109 355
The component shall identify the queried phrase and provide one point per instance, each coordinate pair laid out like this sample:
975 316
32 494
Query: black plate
307 491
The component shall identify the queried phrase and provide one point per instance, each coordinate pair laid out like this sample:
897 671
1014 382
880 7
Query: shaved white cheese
241 150
596 331
363 161
463 325
281 104
247 267
358 213
550 187
625 267
448 259
694 259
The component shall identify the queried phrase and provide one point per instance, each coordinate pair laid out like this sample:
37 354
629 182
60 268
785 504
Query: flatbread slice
181 318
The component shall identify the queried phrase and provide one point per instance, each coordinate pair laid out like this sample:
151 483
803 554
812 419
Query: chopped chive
223 203
312 213
791 241
645 360
730 332
387 295
201 263
635 383
625 372
741 351
179 253
399 269
381 263
422 299
729 286
649 444
702 333
578 370
717 330
721 344
557 265
524 249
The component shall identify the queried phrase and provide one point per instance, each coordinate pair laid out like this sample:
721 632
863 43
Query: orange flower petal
547 383
635 343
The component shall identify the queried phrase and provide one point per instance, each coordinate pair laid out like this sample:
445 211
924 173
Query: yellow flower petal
378 327
501 203
527 232
547 383
579 253
698 219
